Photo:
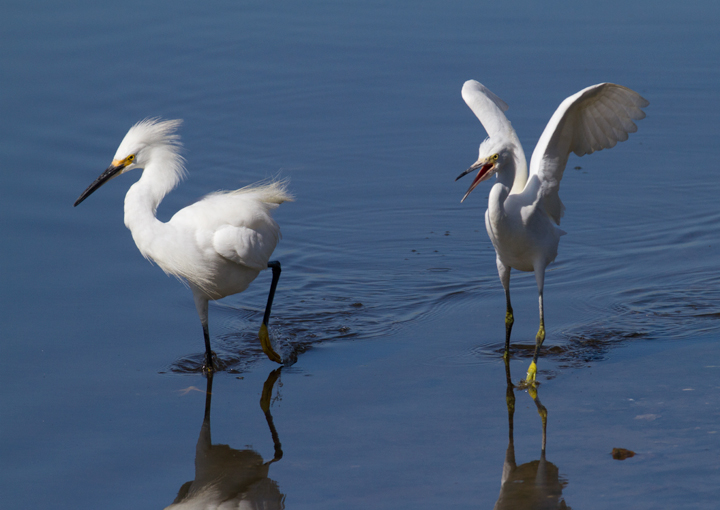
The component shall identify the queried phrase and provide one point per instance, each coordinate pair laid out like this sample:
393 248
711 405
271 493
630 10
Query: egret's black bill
464 173
475 166
108 174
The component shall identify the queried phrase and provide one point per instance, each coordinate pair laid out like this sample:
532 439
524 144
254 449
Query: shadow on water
646 313
366 309
533 485
232 478
577 350
311 310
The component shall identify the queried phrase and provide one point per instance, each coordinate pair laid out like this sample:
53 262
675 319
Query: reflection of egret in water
228 478
533 485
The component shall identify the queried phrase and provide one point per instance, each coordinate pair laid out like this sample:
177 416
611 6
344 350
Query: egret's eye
131 158
495 157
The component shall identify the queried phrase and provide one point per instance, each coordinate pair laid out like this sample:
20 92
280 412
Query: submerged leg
504 272
540 337
263 333
201 303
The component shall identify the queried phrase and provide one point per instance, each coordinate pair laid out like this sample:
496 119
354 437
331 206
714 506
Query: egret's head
492 158
147 138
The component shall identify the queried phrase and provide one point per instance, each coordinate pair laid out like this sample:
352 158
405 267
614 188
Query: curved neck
519 167
141 203
496 201
508 174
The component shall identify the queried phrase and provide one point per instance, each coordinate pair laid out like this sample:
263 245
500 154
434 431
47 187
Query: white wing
236 225
246 246
487 107
595 118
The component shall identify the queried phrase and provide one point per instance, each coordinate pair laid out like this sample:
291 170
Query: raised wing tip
636 98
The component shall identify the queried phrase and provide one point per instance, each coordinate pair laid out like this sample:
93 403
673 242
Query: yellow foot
532 371
266 346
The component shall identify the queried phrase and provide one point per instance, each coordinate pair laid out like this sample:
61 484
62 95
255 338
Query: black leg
263 334
276 270
504 273
208 365
509 321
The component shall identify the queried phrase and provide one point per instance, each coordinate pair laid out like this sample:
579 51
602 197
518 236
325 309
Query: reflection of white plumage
218 244
523 214
230 479
536 484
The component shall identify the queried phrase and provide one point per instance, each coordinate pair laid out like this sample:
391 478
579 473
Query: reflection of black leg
507 374
542 411
208 395
509 397
265 406
510 401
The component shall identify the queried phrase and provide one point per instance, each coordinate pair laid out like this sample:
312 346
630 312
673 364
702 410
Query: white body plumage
218 244
524 208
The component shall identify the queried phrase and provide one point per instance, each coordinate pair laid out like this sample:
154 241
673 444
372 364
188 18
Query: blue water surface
389 303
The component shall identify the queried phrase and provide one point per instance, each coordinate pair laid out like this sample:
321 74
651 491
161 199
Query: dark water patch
583 349
685 306
580 349
379 308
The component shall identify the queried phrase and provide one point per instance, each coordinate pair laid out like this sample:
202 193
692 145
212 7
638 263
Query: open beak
483 174
112 171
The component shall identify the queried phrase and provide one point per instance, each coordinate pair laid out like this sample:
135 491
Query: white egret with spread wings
524 208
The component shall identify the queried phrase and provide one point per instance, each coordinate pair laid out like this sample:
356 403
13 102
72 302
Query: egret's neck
141 203
507 175
496 200
517 168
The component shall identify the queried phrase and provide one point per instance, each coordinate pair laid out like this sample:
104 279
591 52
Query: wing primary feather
626 125
596 118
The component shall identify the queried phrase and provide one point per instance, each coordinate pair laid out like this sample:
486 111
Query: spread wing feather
595 118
